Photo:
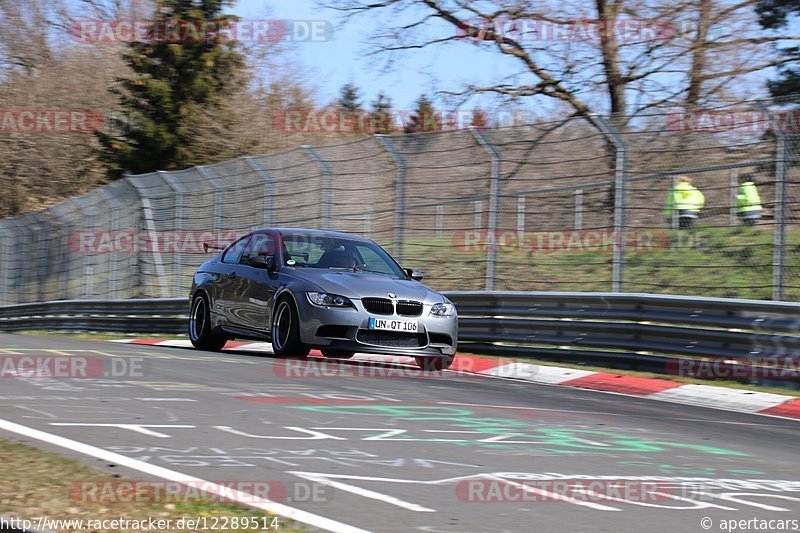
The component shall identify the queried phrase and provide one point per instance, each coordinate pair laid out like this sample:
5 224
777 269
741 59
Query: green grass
730 262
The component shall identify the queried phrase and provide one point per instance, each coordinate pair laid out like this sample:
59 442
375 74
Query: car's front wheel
337 354
286 330
200 332
434 363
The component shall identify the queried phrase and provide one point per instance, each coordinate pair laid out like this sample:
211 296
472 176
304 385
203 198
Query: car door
228 282
258 285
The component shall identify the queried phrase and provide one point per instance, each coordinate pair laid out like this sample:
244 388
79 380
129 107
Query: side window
233 253
260 244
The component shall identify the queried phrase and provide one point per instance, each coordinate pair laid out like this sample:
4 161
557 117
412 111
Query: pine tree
380 119
349 98
424 117
775 14
178 88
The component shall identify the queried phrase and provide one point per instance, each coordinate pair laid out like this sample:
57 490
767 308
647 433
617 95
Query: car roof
314 232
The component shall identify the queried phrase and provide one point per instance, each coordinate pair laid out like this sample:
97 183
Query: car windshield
333 252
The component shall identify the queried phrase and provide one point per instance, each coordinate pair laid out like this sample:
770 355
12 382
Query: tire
286 330
337 354
434 363
200 333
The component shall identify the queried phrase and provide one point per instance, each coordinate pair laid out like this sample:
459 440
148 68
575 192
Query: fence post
4 267
437 221
88 264
178 227
675 220
578 209
367 224
113 257
618 260
520 214
268 187
400 197
733 184
327 178
494 193
779 232
147 215
218 190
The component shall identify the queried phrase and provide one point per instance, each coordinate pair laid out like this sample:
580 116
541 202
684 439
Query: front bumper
346 329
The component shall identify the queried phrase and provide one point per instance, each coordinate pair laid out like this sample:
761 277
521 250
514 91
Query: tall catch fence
572 205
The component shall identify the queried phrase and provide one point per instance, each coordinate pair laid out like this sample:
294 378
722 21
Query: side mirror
262 261
415 274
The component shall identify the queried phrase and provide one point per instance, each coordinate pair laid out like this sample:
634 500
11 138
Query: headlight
324 299
443 310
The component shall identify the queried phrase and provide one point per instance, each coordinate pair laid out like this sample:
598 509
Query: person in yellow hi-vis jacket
684 202
748 201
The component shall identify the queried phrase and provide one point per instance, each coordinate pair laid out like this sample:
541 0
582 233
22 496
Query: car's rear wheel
434 363
200 332
286 330
337 354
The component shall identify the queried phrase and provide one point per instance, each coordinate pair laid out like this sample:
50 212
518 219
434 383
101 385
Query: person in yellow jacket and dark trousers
684 202
748 201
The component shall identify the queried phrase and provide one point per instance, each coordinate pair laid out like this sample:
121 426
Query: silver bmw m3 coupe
302 289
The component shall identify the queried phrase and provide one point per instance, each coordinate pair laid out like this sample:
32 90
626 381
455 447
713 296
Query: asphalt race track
394 450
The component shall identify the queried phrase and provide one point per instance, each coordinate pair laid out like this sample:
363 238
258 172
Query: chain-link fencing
581 204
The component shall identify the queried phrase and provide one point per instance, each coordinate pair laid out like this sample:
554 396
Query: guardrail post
494 193
618 260
327 182
268 188
779 232
399 197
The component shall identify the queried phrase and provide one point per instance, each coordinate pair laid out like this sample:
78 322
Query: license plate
408 326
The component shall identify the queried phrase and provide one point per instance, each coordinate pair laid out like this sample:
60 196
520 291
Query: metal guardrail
636 331
166 315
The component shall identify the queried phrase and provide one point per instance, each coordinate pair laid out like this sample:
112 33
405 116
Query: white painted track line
170 475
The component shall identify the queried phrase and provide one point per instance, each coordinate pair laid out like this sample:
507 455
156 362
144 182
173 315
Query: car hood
366 284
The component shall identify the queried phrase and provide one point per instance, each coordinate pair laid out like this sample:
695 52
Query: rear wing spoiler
207 247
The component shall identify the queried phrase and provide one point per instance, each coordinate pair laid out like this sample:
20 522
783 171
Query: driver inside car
337 257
